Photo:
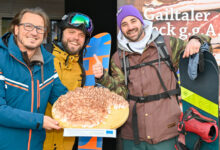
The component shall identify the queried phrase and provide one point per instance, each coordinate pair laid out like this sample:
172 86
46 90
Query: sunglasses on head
79 19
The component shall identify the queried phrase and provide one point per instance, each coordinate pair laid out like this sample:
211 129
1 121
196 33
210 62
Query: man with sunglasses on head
75 33
28 81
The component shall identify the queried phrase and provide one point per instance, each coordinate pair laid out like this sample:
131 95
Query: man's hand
192 47
97 68
50 123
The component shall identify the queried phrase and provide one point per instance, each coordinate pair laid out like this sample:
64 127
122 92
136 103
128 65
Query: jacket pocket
19 89
44 94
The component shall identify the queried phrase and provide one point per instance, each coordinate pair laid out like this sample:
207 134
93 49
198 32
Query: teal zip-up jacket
24 94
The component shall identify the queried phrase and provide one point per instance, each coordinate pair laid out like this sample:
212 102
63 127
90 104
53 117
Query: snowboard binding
193 121
204 127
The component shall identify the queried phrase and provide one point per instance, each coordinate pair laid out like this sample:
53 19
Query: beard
140 32
31 48
27 46
71 51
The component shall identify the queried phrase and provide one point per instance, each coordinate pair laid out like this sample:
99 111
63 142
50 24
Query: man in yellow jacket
76 30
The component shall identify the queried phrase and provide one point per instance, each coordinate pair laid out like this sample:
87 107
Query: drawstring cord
42 73
158 61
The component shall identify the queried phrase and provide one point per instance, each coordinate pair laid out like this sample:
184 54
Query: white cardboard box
68 132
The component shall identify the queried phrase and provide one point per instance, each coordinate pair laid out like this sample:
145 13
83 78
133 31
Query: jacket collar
58 52
38 57
41 54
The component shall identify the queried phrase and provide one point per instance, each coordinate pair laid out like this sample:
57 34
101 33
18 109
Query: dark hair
38 11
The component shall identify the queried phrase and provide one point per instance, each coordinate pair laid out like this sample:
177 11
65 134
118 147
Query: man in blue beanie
143 71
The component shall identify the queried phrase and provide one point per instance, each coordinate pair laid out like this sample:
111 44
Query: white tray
68 132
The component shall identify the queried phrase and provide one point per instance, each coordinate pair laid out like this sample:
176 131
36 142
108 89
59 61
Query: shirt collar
37 57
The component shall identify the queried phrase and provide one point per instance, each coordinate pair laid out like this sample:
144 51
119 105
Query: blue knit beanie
128 10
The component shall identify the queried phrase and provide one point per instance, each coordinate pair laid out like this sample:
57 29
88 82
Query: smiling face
73 40
29 40
132 28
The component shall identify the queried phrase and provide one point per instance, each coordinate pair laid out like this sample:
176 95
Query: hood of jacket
7 42
139 46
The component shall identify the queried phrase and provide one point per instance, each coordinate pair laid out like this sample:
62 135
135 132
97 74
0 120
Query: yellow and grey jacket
71 74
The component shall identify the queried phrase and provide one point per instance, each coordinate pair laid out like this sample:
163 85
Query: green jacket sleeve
177 45
115 82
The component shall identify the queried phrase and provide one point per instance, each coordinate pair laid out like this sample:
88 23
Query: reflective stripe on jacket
24 97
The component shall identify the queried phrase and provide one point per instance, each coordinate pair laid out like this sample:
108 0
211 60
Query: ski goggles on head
78 19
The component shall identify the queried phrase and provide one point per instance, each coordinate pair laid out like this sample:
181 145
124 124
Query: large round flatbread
90 108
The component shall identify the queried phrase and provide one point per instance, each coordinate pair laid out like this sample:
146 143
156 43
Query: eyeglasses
79 19
30 27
